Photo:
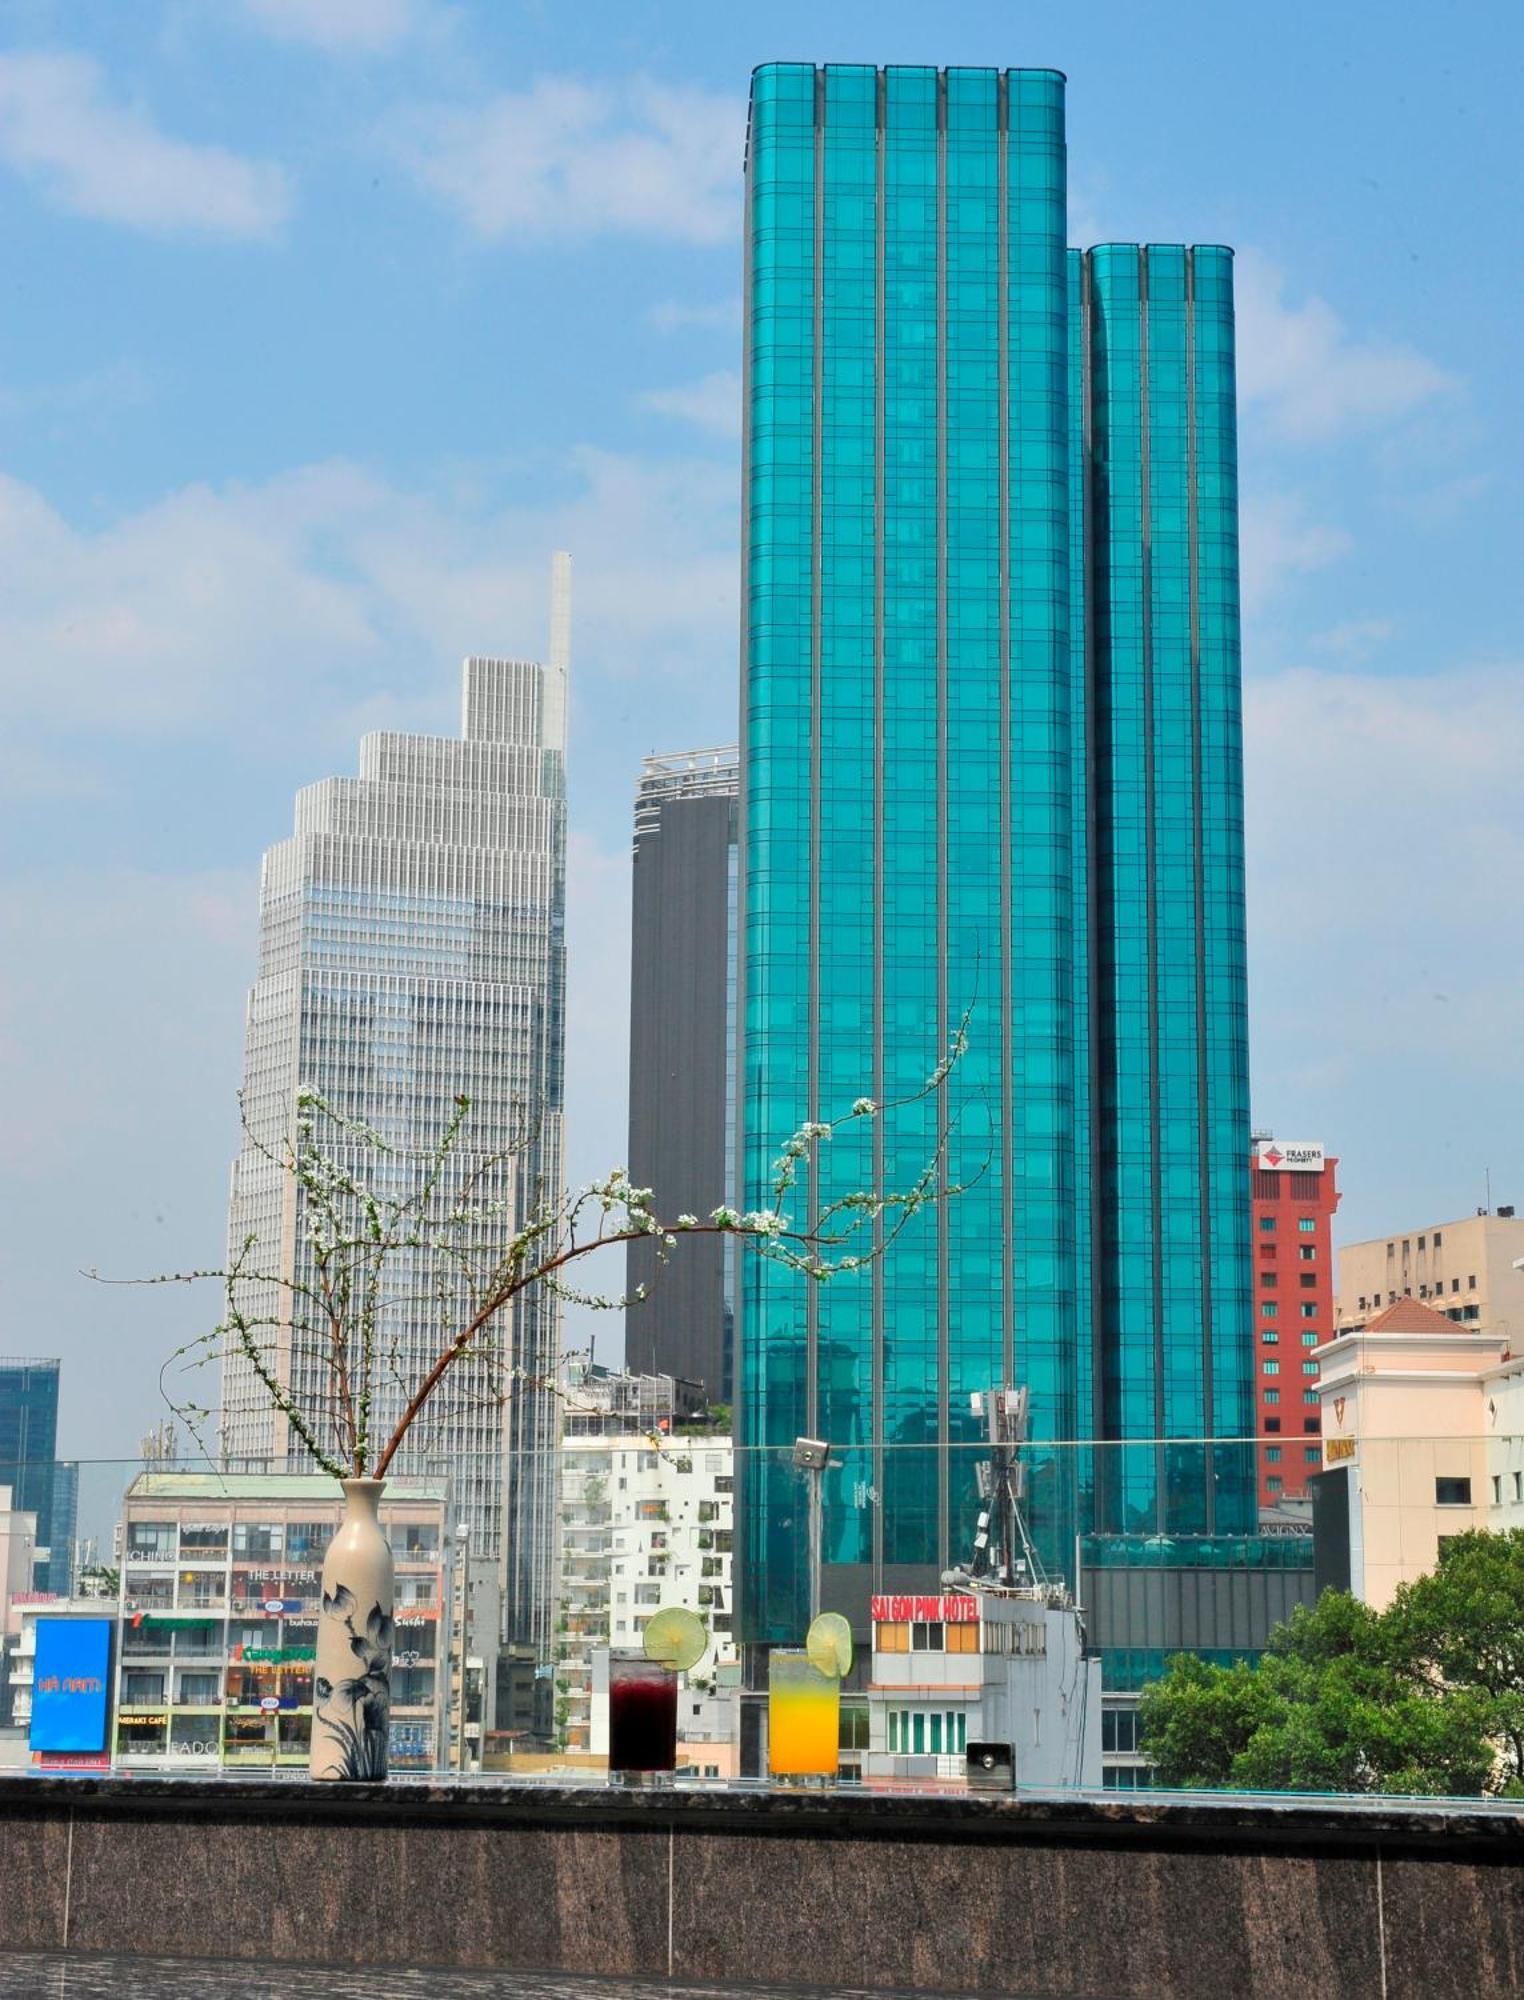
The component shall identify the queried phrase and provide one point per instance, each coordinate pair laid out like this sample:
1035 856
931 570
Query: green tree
1461 1628
1333 1705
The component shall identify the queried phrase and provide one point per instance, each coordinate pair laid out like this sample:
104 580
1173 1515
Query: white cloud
567 159
713 403
327 587
712 316
365 27
106 160
1278 540
1387 970
1354 639
1312 377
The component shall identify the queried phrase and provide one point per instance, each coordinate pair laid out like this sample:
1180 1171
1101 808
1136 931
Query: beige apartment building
1464 1270
1423 1438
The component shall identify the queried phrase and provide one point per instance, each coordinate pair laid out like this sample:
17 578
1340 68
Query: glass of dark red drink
642 1714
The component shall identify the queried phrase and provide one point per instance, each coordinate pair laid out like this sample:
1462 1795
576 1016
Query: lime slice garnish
676 1638
828 1644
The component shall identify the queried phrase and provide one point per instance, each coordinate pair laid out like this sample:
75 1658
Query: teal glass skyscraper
990 768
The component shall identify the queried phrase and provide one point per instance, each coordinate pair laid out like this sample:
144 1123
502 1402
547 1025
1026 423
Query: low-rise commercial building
1423 1438
1002 1667
220 1592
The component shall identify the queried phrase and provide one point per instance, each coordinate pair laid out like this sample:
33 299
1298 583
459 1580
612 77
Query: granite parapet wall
1143 1895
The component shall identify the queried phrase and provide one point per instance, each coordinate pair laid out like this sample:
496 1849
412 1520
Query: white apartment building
412 948
646 1521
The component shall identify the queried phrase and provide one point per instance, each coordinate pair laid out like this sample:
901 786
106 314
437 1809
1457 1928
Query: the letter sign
926 1610
71 1684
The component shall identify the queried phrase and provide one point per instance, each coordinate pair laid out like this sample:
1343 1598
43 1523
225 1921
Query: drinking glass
803 1718
642 1714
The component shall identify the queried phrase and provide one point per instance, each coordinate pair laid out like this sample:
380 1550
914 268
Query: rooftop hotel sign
1289 1156
71 1684
926 1610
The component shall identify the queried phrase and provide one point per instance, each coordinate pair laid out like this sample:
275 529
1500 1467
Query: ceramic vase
351 1689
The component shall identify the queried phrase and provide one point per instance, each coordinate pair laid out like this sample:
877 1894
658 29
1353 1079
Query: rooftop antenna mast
1002 1488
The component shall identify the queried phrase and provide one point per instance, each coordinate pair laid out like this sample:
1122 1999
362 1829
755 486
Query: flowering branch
370 1216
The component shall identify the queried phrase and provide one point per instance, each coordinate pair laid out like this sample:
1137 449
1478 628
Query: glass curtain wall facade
28 1442
412 947
976 718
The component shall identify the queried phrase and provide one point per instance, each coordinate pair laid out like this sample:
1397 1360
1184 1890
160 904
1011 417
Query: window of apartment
1274 1482
854 1725
1309 1367
1312 1453
650 1510
1307 1252
1268 1280
142 1690
928 1637
1273 1454
1272 1395
1272 1367
1362 1302
1423 1242
893 1636
648 1593
1269 1310
1307 1279
1310 1310
1266 1223
1270 1337
709 1510
1311 1339
210 1538
1452 1492
1119 1730
712 1566
1471 1312
725 1483
1312 1424
1497 1489
258 1540
1438 1238
200 1690
1267 1253
1471 1284
1311 1396
1455 1284
1308 1223
1518 1486
1272 1423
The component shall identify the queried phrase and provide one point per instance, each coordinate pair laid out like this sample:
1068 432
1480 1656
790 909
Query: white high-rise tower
412 947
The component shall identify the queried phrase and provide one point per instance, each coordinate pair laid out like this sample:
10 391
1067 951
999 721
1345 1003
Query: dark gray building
682 1060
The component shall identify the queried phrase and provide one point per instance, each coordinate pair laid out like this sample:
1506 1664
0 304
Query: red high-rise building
1294 1195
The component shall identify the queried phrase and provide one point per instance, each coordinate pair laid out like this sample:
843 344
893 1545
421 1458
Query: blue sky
325 321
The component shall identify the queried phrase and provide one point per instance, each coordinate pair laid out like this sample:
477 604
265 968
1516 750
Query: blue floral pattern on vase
352 1715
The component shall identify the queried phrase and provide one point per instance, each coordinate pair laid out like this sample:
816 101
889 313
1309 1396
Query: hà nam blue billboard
71 1684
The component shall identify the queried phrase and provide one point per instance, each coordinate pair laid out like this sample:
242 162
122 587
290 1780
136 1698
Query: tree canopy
1426 1696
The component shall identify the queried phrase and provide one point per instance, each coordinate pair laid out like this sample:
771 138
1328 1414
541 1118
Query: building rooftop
1411 1316
268 1486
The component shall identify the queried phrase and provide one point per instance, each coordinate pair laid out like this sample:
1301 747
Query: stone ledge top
851 1811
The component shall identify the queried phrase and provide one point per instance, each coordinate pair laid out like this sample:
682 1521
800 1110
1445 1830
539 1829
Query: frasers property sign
1289 1156
925 1610
70 1684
